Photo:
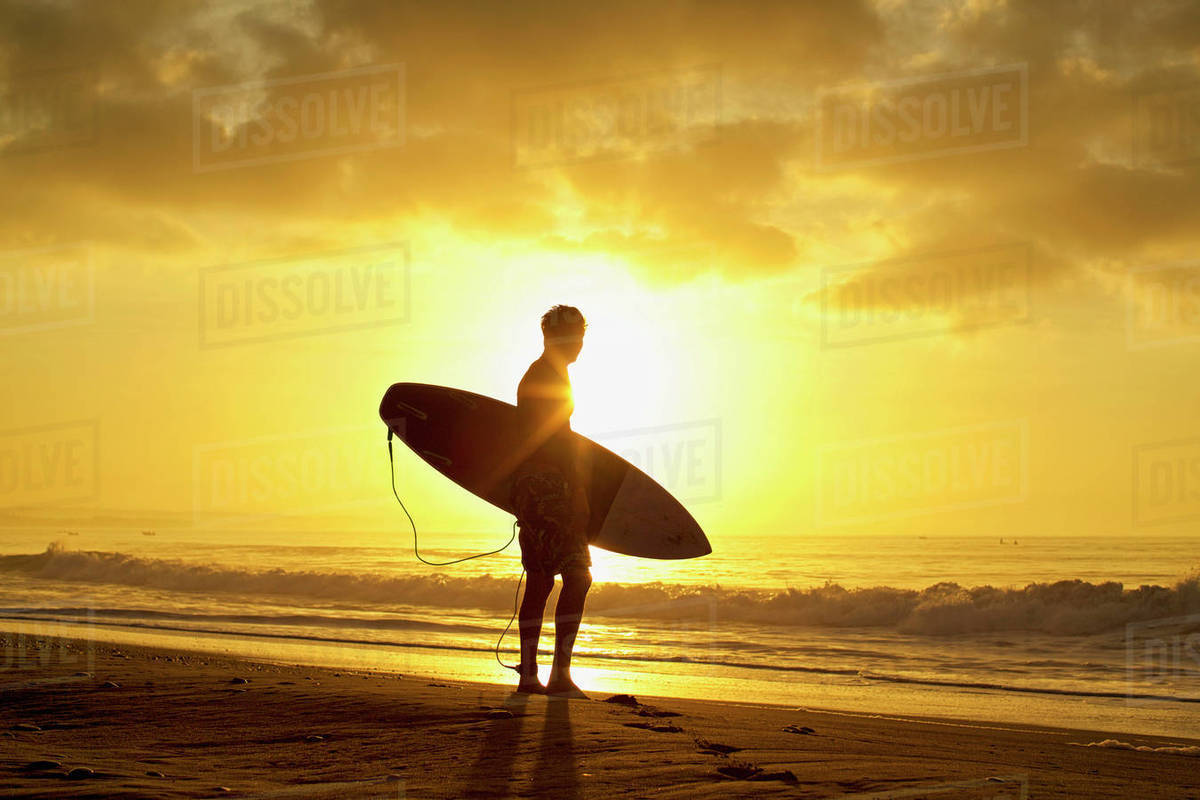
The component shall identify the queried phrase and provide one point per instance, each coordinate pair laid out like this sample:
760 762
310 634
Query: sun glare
617 385
624 371
615 568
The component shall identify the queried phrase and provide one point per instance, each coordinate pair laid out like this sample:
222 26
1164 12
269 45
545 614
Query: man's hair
563 321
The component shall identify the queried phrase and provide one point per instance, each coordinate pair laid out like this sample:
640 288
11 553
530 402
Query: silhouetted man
550 499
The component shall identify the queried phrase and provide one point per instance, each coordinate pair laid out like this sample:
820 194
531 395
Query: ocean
1100 633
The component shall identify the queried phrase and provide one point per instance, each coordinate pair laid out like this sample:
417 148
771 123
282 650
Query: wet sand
81 719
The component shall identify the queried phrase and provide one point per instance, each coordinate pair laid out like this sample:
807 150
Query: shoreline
148 629
205 720
1111 712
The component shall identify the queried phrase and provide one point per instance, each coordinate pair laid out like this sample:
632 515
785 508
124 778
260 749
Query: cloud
748 197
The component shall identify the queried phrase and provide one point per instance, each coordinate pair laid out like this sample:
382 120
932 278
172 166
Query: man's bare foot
529 683
530 686
561 687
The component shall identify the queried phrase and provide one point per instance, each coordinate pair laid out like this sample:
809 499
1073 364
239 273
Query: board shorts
552 541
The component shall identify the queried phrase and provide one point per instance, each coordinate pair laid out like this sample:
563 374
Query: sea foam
1068 607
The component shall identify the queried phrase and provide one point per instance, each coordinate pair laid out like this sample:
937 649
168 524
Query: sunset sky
988 327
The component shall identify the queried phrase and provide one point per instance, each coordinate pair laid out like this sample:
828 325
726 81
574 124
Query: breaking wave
1069 607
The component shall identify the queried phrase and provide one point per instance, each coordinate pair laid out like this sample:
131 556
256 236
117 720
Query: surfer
551 504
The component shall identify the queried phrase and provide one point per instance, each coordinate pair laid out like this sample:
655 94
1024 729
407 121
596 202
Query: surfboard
472 439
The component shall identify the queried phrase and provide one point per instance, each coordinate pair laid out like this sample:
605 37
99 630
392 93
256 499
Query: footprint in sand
657 727
745 771
715 747
640 709
651 711
742 770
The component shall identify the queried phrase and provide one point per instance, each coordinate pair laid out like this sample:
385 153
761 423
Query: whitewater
1094 632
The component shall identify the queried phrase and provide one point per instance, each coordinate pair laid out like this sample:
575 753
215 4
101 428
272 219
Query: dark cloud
747 197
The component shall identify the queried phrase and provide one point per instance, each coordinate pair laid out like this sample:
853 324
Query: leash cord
417 552
514 667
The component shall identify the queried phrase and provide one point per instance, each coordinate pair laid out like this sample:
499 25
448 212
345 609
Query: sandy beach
144 722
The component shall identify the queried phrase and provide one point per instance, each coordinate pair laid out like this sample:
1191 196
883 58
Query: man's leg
567 616
533 607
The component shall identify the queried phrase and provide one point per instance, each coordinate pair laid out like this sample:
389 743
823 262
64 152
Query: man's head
562 330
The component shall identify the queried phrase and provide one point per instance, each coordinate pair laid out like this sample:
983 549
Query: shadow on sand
556 771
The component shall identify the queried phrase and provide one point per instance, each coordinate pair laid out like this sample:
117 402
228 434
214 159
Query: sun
624 373
608 567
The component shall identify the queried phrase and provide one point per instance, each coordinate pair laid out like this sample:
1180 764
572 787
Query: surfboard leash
514 667
416 551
